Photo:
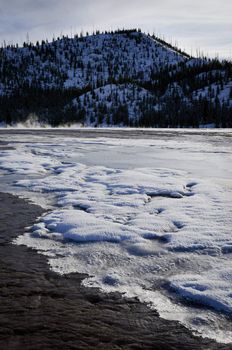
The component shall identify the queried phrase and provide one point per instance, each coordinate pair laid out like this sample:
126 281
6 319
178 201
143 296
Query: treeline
175 114
53 107
179 114
46 104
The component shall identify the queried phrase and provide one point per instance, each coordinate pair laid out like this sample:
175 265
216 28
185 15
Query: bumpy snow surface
150 218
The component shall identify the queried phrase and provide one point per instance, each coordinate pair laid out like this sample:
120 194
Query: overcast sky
193 24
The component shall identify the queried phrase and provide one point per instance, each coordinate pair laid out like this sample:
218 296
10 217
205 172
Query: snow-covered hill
114 104
124 77
92 60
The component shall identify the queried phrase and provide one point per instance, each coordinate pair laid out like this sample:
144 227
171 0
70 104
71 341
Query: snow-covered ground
150 217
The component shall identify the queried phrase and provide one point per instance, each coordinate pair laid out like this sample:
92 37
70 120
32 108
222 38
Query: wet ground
43 310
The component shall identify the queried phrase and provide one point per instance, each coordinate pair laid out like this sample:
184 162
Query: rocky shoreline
43 310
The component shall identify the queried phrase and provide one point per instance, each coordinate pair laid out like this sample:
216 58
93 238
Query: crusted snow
141 228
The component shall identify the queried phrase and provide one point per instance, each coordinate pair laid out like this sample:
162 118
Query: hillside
123 78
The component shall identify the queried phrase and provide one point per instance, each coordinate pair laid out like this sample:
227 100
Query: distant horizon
194 26
198 51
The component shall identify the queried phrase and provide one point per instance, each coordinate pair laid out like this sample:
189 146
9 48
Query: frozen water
215 292
150 218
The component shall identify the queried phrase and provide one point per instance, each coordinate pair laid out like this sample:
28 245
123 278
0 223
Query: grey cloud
187 21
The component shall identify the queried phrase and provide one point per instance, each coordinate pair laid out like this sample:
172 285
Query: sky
199 25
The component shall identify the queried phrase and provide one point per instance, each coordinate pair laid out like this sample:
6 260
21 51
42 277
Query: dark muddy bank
42 310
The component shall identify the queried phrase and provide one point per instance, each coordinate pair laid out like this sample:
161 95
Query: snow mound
214 292
78 226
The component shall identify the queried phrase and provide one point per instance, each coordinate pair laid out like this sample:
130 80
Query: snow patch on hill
103 105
